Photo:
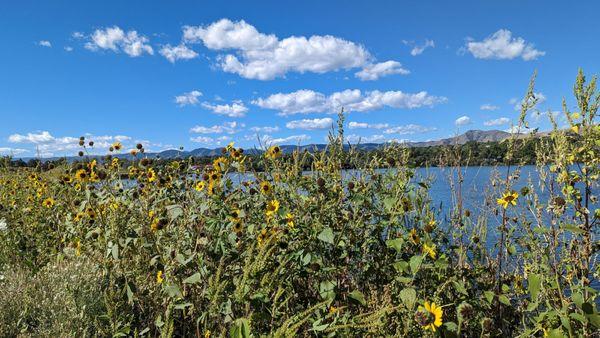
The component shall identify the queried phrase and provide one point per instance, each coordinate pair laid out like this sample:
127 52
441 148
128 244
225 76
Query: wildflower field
114 247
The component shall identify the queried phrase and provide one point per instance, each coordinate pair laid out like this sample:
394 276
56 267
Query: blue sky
194 74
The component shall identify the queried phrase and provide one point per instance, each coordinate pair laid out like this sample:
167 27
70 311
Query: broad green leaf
326 235
326 289
489 296
174 211
415 263
534 283
408 297
504 300
240 329
395 244
358 296
193 279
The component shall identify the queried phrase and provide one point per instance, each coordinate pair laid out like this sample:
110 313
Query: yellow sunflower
289 220
159 277
272 207
200 186
430 250
265 187
430 316
273 152
508 198
414 237
48 202
81 175
151 175
117 146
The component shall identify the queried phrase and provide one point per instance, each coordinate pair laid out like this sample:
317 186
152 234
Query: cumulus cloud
502 46
375 71
236 109
364 125
189 98
209 141
117 40
462 121
497 122
179 52
264 56
68 48
45 43
419 49
489 107
409 129
226 127
310 124
308 101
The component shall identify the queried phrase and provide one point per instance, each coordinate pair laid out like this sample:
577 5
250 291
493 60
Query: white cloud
419 49
308 101
364 125
497 122
462 121
265 129
115 39
68 48
541 98
48 145
375 71
189 98
310 124
265 56
180 52
489 107
353 138
409 129
45 43
78 35
236 109
502 46
295 139
12 151
227 127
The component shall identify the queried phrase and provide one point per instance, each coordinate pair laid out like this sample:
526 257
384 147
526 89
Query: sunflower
430 250
273 152
200 186
48 202
117 146
237 227
508 198
429 316
151 175
262 237
272 207
220 163
235 216
289 220
81 175
159 277
414 237
79 217
265 187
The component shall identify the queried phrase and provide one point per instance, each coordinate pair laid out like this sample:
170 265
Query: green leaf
174 211
504 300
129 294
240 329
534 283
460 287
173 291
489 296
358 296
532 306
395 244
556 333
193 279
415 263
326 235
573 228
408 297
326 289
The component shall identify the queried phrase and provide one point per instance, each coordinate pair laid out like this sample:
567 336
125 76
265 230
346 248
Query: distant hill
469 136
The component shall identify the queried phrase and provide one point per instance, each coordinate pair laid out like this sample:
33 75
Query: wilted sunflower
414 237
262 236
508 198
272 207
289 220
429 316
